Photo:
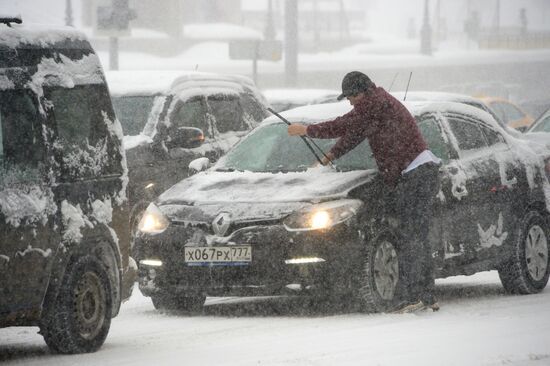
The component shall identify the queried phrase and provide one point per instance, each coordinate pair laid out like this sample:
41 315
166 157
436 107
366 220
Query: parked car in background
263 221
64 237
435 96
542 124
539 133
133 94
512 115
283 99
200 115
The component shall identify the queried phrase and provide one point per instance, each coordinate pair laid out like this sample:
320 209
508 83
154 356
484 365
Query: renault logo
221 223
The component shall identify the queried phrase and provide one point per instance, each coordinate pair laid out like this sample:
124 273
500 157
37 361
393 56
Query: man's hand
325 160
297 129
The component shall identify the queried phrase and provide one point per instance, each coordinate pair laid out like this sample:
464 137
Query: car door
504 195
474 220
434 134
28 239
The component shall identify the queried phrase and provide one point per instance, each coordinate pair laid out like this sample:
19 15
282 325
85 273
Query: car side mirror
198 165
185 137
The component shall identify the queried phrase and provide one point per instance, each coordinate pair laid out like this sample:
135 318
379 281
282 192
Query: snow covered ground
478 325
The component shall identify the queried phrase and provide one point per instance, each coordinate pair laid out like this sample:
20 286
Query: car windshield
271 149
132 112
543 125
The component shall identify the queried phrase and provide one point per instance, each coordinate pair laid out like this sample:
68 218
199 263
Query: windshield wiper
306 141
225 170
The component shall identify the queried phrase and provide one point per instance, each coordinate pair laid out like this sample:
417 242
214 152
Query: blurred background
497 48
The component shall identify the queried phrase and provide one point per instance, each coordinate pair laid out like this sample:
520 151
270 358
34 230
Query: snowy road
478 325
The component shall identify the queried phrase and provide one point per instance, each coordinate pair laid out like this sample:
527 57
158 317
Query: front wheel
81 315
528 269
379 277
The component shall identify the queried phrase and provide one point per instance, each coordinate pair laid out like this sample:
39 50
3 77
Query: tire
379 276
187 304
528 269
81 315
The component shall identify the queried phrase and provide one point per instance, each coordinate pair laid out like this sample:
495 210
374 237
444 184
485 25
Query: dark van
64 238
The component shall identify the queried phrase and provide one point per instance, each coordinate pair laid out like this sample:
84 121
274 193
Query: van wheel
81 316
187 304
379 277
528 269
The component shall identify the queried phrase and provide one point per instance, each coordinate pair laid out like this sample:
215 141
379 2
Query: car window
270 149
132 112
492 136
468 134
228 112
543 125
509 112
253 107
499 111
191 113
432 134
21 133
83 140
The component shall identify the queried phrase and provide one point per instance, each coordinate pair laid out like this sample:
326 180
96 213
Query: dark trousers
414 200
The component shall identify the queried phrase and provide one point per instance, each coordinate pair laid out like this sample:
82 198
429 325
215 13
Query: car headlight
153 221
323 215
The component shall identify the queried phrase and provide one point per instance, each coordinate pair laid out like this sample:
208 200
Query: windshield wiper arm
306 141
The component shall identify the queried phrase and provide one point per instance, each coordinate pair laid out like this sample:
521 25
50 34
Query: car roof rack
7 20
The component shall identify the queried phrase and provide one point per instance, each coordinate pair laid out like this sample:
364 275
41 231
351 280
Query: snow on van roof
37 34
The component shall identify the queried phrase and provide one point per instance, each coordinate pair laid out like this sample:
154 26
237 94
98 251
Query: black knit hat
353 83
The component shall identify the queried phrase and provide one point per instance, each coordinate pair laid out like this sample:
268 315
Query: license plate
218 256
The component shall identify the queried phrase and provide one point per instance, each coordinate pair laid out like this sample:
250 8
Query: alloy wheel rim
386 270
536 252
90 305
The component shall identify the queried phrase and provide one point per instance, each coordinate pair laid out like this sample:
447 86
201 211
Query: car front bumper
282 261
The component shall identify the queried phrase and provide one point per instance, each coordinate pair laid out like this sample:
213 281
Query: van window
21 135
84 142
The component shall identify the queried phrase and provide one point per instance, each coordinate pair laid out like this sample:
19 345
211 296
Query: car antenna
394 77
408 83
305 141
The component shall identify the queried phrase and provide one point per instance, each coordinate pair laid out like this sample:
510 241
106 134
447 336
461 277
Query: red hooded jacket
391 130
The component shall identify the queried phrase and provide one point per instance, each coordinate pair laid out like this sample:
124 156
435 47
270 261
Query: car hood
250 196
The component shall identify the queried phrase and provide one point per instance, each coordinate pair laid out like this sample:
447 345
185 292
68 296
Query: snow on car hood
248 195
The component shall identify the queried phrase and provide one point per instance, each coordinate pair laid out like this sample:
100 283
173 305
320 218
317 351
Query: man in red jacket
409 171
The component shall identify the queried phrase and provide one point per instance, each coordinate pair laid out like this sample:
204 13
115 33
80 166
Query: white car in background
171 118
